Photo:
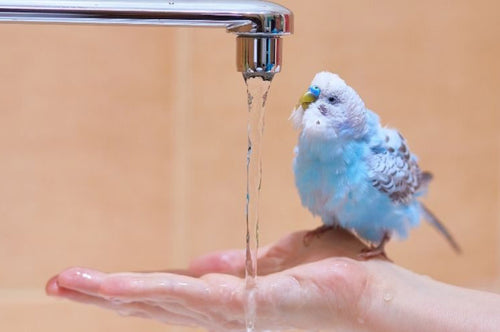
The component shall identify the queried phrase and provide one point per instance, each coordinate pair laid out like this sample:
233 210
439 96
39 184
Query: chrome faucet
259 25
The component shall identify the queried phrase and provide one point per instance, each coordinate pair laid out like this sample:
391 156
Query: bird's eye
333 100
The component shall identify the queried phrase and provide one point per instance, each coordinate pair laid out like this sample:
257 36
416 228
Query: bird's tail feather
425 178
434 221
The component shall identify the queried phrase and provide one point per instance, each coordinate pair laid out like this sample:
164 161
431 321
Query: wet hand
318 286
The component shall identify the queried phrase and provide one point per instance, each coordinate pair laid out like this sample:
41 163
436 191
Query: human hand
320 286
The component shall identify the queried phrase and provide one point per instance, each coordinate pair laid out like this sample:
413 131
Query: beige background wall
124 148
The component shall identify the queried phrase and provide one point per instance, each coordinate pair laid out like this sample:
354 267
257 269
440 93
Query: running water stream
257 89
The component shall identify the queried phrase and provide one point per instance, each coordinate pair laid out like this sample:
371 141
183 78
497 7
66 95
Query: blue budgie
354 173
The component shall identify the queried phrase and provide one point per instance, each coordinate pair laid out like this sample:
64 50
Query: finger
171 315
283 254
271 258
213 298
143 286
185 272
51 287
291 251
153 286
228 262
83 280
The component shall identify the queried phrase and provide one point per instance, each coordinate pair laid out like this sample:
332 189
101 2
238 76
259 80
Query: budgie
354 173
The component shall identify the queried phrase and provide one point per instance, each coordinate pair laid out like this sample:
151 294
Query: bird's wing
393 170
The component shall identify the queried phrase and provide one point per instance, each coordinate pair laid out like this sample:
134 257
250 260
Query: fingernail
51 288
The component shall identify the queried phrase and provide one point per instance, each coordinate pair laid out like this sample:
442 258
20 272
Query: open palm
316 286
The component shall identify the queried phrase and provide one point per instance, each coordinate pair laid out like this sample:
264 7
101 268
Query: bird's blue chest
331 178
334 183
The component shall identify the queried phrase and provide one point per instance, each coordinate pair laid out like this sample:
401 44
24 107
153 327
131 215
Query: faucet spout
258 24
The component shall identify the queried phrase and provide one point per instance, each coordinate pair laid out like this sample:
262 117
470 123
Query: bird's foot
315 233
369 253
378 251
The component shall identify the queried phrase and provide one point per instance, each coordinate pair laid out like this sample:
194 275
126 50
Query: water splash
257 89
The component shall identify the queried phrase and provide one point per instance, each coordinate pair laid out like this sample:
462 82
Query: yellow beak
307 99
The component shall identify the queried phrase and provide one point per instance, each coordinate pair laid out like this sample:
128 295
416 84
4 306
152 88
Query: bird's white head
330 109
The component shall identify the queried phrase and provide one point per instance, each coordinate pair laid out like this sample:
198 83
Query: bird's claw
369 253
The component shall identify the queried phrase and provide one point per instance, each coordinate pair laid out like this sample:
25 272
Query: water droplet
387 297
